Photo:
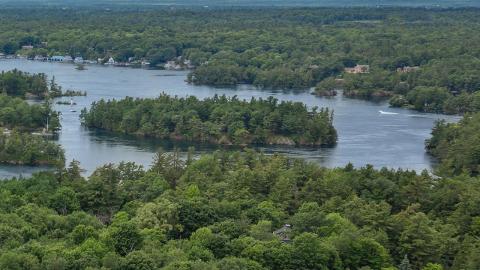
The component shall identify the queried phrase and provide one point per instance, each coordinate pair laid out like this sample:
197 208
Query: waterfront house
57 58
358 69
110 61
2 56
78 60
40 58
188 64
68 58
27 47
172 65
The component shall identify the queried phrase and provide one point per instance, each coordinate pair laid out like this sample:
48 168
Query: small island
217 120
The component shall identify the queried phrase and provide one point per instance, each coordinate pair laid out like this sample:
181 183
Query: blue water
366 136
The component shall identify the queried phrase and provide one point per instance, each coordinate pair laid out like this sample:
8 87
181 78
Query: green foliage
217 216
457 145
17 113
18 83
273 48
219 120
22 148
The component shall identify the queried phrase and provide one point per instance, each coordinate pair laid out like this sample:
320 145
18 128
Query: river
366 136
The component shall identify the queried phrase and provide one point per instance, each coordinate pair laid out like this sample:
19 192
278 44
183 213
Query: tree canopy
222 211
219 120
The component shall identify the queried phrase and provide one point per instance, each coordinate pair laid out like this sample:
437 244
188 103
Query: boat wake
390 113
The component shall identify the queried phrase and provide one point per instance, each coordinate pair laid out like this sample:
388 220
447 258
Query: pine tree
405 264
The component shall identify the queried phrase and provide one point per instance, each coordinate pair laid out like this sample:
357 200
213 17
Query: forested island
217 120
412 54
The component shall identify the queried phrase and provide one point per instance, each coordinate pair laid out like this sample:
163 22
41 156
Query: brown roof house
358 69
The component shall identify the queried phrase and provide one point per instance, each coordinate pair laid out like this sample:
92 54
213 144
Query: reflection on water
366 136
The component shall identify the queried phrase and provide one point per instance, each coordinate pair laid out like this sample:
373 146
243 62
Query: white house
78 60
110 61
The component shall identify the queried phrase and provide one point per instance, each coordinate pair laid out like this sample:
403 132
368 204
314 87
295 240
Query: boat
71 104
383 112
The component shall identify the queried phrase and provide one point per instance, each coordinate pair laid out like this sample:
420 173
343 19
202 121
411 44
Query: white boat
383 112
71 104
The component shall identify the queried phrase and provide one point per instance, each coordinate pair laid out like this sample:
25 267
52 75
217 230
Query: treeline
17 113
271 48
457 145
219 120
20 147
32 85
445 86
223 210
25 149
19 83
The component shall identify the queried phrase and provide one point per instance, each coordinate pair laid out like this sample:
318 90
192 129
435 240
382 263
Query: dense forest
21 84
20 147
457 145
228 211
25 149
412 54
219 120
17 113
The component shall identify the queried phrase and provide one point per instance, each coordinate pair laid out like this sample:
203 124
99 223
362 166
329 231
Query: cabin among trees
358 69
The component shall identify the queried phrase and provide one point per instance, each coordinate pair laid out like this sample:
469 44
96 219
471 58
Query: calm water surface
365 135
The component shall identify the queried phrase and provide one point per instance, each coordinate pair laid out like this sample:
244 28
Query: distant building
110 61
2 55
188 64
27 47
172 65
78 60
57 58
39 58
284 233
407 69
358 69
90 61
68 58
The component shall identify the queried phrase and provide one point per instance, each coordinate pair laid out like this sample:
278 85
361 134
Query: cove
369 132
